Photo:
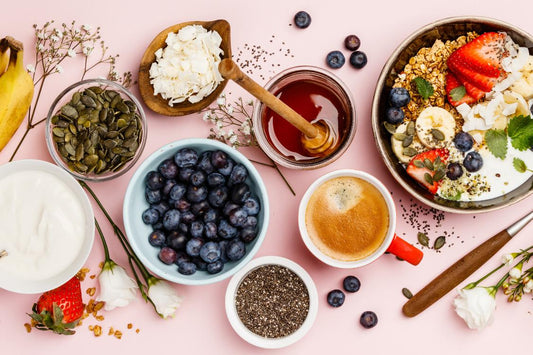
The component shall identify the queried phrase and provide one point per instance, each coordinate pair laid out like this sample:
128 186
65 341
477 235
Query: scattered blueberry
238 174
157 238
152 196
473 162
248 234
302 19
150 216
187 268
463 141
368 319
394 115
335 298
167 255
226 230
177 191
168 169
454 171
196 229
197 178
218 196
215 267
251 206
171 219
215 179
210 252
176 240
235 250
204 162
399 97
219 159
154 180
193 246
352 43
237 217
358 59
335 59
351 284
184 174
186 157
239 193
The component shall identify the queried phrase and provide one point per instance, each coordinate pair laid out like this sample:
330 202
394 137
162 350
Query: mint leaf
458 93
519 165
497 142
520 130
424 87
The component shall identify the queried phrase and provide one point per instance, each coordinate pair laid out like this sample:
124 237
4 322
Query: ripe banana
16 92
435 126
524 85
4 55
405 148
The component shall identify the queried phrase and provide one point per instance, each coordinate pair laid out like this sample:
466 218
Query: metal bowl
445 29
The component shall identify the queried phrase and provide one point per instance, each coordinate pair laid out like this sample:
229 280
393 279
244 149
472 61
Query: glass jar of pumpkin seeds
96 130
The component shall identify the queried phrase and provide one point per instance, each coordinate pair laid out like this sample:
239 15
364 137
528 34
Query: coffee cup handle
404 250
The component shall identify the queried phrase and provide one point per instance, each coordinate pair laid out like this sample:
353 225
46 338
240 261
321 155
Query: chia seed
272 301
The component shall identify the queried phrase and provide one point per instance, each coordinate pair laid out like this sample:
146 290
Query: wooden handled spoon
317 137
463 268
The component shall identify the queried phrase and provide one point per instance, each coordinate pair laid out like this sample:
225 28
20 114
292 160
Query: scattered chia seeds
272 301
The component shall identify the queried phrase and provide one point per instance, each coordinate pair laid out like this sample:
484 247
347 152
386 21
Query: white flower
507 259
54 38
30 68
59 69
246 129
164 297
58 33
40 34
87 28
40 47
87 50
528 287
230 109
117 289
515 272
476 306
221 101
206 117
233 139
71 53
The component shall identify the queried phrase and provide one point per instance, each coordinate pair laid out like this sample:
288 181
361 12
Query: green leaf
519 165
497 142
520 130
424 87
458 93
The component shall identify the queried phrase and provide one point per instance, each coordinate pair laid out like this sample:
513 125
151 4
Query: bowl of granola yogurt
451 114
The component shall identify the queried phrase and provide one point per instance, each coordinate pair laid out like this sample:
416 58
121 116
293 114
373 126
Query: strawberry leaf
519 165
497 142
424 87
520 130
458 93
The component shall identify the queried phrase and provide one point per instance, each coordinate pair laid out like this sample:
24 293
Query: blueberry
204 162
193 246
335 298
335 59
248 234
226 230
199 208
219 159
154 180
182 257
187 217
215 267
196 193
210 252
302 19
210 215
183 228
218 196
152 196
200 264
171 219
215 179
228 168
187 268
239 193
196 229
157 226
235 250
399 97
157 238
251 221
223 244
169 184
161 207
228 207
251 206
351 284
177 191
352 43
210 230
238 174
182 205
150 216
368 319
197 178
168 168
167 255
237 217
473 162
186 157
394 115
454 171
358 59
463 141
176 240
184 174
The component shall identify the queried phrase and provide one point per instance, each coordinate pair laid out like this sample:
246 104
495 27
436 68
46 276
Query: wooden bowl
155 102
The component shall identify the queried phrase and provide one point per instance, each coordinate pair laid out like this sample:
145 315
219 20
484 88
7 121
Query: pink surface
201 325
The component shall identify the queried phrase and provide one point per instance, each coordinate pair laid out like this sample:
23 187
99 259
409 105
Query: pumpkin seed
439 242
410 129
410 152
423 239
438 135
428 164
407 141
439 174
58 132
399 136
389 127
418 163
88 101
408 294
428 178
75 98
69 111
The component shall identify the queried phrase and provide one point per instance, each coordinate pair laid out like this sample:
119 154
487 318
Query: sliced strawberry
428 168
481 81
483 54
472 90
452 83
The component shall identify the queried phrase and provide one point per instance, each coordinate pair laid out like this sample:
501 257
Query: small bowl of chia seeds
96 130
272 302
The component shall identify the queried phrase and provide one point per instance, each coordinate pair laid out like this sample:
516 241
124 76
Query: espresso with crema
347 218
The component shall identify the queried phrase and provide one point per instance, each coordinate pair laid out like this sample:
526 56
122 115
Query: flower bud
516 272
517 298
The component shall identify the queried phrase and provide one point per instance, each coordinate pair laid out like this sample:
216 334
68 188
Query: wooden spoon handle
229 70
455 274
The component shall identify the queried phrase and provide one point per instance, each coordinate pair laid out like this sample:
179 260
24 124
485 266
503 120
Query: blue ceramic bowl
135 204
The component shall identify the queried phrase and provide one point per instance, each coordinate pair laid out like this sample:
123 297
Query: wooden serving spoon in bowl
157 103
317 137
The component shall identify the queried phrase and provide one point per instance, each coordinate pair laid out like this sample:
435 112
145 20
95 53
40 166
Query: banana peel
16 92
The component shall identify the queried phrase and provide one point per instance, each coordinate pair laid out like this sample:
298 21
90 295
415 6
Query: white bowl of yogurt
46 226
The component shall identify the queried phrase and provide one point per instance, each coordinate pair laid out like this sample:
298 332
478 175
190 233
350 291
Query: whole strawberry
60 309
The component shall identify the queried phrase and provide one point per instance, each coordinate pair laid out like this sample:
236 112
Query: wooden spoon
317 138
157 103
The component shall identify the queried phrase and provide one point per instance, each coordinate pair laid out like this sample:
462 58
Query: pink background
201 325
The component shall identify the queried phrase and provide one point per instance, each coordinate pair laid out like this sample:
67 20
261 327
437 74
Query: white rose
476 306
117 289
164 297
